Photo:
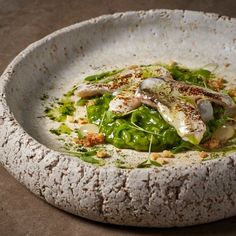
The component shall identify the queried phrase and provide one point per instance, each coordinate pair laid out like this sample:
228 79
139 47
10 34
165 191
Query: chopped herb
79 134
155 163
147 163
62 129
121 164
144 164
89 156
60 110
95 78
82 102
71 92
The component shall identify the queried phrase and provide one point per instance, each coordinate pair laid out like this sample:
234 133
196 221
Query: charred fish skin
180 105
89 90
124 104
123 87
181 115
198 93
126 101
168 90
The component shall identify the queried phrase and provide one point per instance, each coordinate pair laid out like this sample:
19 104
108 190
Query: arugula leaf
95 78
155 163
93 160
71 92
147 163
144 164
121 164
82 102
88 157
62 129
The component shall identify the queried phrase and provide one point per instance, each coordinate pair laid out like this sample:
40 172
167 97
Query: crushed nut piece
154 156
91 139
217 84
162 161
232 92
167 154
212 143
102 154
203 154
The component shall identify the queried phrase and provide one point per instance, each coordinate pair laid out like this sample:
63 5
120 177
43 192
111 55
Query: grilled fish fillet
178 102
123 86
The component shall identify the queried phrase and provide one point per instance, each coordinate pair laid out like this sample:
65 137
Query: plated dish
159 160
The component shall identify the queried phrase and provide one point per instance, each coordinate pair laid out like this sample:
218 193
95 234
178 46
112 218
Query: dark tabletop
25 21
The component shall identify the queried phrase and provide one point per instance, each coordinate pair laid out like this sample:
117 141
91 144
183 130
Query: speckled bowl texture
154 197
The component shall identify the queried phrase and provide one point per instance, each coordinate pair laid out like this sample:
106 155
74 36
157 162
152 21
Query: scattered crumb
83 121
167 154
217 84
154 156
162 161
232 92
102 154
91 139
203 154
227 65
212 143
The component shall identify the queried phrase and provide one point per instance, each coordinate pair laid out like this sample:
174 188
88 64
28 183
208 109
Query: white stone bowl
154 197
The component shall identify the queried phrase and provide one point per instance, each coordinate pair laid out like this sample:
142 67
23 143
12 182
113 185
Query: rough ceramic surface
155 197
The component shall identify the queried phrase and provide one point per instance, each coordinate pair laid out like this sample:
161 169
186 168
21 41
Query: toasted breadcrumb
154 156
83 121
91 139
203 154
102 154
232 92
167 154
217 84
162 161
212 143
